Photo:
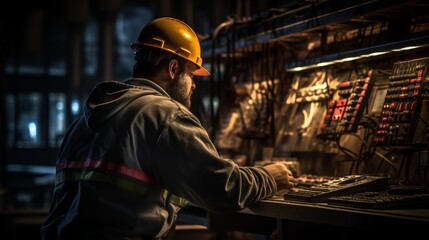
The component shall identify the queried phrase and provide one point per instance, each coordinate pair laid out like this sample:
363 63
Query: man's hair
150 60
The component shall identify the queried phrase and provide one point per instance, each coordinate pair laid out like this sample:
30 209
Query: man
138 155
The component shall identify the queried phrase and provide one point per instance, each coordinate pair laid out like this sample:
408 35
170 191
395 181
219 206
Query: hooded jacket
133 160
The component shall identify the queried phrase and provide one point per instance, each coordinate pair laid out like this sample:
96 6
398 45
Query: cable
388 162
407 167
347 152
215 61
401 166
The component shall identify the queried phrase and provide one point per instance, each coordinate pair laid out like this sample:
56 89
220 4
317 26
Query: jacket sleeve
188 165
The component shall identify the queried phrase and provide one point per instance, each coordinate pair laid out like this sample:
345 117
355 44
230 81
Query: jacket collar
140 82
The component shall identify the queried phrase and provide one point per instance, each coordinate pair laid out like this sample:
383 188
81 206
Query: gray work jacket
133 160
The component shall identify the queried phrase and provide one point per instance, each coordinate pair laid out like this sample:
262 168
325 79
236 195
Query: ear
173 68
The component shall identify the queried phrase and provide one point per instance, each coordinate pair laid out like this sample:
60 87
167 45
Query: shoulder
162 108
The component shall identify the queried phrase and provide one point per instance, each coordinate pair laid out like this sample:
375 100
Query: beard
178 90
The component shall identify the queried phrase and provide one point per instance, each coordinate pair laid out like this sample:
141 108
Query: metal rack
311 21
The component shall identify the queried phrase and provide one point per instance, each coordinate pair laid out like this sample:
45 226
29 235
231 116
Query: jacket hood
109 97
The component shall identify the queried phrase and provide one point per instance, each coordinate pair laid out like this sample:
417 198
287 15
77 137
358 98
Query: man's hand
282 175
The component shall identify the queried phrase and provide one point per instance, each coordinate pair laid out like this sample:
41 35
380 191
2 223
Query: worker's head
173 38
169 44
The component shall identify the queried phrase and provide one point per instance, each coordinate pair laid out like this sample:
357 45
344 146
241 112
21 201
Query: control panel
406 96
341 186
344 114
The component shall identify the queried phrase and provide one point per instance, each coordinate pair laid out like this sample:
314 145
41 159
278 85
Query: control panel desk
301 220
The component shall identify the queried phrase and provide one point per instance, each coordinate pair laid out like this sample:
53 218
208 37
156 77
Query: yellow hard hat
174 36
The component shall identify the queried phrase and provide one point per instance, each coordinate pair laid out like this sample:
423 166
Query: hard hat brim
201 72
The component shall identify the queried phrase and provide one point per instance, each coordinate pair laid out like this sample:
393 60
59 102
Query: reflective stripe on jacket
110 173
